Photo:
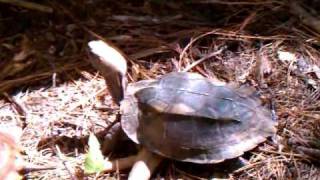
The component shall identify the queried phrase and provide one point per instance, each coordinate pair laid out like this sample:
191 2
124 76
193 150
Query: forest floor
51 97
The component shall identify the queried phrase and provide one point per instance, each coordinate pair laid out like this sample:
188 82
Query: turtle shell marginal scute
186 117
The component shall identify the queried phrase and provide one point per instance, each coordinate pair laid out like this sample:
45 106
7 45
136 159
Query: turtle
182 115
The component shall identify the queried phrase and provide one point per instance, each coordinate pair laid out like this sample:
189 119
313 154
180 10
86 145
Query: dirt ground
51 97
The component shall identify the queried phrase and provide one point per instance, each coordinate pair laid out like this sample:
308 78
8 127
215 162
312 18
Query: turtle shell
186 117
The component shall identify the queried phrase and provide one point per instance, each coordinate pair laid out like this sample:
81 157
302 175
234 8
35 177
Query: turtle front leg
143 165
112 138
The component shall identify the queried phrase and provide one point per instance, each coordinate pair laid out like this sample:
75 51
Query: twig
184 51
31 168
149 52
65 164
29 5
237 2
252 165
19 108
248 20
195 63
6 85
282 153
235 35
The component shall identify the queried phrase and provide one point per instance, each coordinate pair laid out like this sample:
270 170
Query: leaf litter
49 89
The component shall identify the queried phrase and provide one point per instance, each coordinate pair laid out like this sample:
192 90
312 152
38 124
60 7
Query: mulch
50 91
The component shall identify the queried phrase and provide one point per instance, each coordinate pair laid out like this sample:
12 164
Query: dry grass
51 91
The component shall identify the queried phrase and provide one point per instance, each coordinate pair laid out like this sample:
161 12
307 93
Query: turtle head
112 65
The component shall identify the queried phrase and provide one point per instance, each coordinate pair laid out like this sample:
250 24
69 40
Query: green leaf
94 161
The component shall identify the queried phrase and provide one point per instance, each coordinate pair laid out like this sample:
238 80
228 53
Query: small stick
65 164
19 108
29 5
236 2
203 59
32 168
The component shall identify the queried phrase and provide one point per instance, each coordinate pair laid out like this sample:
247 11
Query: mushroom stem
146 163
120 164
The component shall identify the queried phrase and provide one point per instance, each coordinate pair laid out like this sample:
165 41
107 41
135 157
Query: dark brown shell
186 117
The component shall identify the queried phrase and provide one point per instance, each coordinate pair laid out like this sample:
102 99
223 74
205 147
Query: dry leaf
286 56
316 70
